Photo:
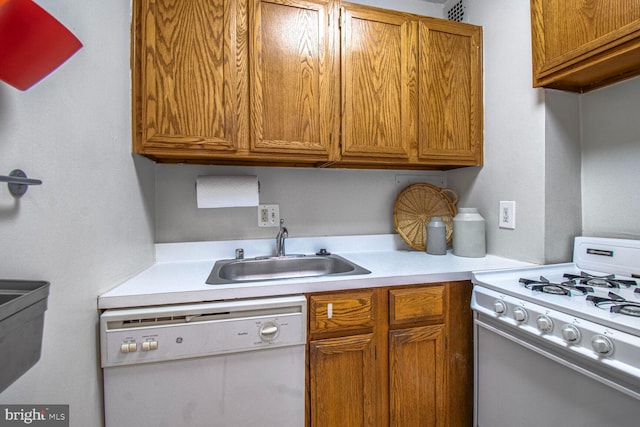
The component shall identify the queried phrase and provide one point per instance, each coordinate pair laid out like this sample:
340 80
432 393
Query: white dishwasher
229 364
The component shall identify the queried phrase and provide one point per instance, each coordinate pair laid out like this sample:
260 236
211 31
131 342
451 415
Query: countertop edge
181 281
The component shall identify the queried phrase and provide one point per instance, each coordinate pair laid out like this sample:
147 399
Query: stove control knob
499 307
544 323
520 314
570 333
602 345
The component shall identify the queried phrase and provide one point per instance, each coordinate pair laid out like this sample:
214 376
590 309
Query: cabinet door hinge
341 17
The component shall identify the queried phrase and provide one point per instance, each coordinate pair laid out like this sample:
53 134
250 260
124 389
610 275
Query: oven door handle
487 324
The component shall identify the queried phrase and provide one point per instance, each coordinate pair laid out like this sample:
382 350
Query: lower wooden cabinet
391 356
416 376
344 384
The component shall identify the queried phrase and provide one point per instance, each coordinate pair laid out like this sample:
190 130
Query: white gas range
559 335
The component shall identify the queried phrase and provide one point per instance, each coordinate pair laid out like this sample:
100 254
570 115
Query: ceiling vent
456 10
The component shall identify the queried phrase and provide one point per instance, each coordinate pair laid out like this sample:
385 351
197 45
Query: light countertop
181 269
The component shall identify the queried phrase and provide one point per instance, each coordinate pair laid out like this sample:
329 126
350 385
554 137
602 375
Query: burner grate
548 287
608 281
617 304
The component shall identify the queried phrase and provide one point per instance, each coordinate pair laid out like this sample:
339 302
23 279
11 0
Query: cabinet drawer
341 312
414 305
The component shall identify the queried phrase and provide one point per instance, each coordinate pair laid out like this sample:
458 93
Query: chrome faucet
282 234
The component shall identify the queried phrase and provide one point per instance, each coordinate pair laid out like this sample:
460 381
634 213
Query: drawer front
341 312
414 305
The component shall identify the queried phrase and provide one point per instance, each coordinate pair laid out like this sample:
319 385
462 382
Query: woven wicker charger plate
414 207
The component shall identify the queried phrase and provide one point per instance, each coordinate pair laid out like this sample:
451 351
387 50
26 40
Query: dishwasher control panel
146 335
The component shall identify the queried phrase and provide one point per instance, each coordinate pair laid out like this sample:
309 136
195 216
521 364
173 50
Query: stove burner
616 304
600 282
545 286
608 281
553 289
628 309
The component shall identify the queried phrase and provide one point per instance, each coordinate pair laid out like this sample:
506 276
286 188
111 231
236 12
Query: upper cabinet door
581 45
293 68
378 75
188 84
450 116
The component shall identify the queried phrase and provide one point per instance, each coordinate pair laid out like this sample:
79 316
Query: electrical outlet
269 216
507 215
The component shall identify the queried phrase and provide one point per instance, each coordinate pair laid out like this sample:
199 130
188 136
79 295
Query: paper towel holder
18 182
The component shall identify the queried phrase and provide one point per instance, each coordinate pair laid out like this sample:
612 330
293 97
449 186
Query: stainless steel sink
284 267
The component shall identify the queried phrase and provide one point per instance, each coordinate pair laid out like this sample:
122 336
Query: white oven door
516 386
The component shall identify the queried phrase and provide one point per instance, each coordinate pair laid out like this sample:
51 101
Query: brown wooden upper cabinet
378 78
293 69
450 114
582 45
306 83
189 78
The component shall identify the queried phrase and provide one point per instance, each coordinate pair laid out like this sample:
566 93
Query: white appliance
559 345
228 363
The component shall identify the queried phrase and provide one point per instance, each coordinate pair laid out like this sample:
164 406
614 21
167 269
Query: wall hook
18 182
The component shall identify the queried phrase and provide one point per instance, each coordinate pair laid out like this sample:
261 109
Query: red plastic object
32 43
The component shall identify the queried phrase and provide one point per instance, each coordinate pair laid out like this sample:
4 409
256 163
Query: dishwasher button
128 347
149 345
268 331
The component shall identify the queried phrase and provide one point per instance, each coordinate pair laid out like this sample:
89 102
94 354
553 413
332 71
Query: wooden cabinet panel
343 381
340 312
190 92
417 377
293 97
450 115
304 83
417 304
582 45
378 72
459 355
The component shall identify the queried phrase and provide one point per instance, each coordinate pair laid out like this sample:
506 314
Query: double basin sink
283 267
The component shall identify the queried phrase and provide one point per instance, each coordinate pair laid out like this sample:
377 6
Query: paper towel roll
226 191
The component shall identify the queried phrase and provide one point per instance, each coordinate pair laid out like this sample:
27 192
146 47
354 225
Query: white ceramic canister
436 236
469 233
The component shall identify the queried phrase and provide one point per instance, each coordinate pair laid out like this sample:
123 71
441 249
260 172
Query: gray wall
514 134
313 202
562 208
90 224
611 158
